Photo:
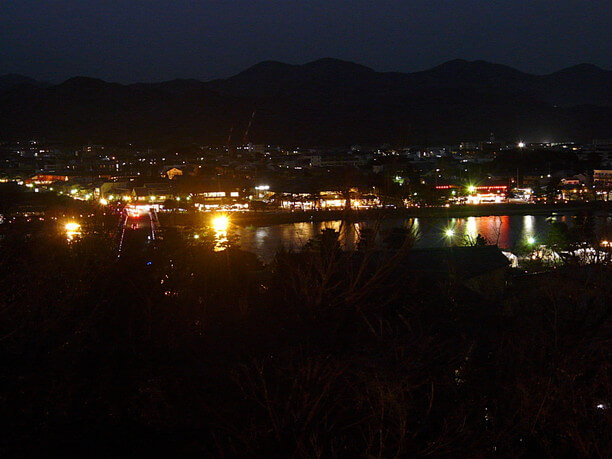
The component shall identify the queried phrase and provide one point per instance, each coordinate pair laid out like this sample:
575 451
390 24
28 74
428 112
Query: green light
531 240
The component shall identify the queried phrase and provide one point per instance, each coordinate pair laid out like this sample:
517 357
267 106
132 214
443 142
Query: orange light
220 223
72 226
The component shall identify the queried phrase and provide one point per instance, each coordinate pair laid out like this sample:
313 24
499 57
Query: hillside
327 101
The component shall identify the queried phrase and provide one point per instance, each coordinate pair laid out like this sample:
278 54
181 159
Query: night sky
155 40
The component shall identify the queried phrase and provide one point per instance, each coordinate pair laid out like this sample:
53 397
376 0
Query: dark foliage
177 349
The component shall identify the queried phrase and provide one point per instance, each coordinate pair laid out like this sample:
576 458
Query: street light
220 223
72 226
449 233
531 240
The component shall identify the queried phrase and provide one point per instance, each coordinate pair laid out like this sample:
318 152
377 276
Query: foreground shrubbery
176 348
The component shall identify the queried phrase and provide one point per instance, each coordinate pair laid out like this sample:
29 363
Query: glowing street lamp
449 233
72 226
521 144
531 240
220 223
471 188
72 229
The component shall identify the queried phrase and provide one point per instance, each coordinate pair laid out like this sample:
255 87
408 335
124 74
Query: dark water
507 231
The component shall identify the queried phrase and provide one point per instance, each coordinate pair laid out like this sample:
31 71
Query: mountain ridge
327 101
583 65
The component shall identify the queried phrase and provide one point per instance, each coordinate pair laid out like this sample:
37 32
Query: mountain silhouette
324 102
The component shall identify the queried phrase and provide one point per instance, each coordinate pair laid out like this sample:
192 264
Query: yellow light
72 226
127 198
449 232
196 236
111 197
220 223
471 188
103 202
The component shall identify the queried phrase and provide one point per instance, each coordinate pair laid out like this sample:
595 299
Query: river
506 231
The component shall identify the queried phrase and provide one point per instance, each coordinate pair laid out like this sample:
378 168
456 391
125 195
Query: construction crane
246 133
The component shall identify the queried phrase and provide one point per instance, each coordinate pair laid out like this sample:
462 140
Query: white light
521 144
531 240
449 232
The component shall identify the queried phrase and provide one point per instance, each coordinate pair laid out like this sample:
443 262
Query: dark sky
154 40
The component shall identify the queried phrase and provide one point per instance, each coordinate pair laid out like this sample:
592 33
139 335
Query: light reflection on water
505 231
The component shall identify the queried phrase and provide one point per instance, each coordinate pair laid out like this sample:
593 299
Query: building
151 193
602 181
46 179
172 172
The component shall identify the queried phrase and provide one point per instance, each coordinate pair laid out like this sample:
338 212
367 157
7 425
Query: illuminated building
487 194
521 195
602 181
46 179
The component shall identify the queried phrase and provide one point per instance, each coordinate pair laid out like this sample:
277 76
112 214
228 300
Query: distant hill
327 101
11 81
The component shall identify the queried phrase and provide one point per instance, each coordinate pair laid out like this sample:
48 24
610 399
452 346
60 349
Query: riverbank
269 218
